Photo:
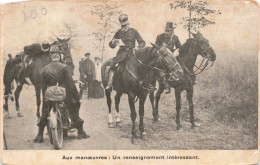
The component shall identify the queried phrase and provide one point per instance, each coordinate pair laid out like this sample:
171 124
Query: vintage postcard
126 82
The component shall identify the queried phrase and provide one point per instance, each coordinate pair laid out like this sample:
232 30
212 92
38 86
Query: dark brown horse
132 79
39 62
187 58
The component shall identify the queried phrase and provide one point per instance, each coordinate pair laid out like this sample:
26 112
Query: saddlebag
55 93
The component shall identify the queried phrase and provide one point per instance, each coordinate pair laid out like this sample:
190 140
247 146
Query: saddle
26 60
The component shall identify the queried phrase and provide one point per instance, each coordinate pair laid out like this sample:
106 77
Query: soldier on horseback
127 36
168 39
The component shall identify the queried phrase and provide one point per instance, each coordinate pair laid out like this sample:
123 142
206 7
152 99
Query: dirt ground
210 134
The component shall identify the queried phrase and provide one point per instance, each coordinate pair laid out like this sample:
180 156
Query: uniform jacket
170 41
58 72
128 38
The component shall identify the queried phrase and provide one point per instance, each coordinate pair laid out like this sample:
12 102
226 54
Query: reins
202 66
151 88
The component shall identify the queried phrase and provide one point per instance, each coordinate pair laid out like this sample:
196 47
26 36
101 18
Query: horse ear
59 39
156 46
68 39
194 35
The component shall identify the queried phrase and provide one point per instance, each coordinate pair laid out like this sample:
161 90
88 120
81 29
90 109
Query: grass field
225 108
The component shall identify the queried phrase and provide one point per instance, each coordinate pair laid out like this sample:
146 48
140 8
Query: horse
132 79
39 61
11 72
198 45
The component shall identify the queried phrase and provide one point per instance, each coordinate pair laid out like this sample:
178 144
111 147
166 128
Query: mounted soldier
171 41
125 38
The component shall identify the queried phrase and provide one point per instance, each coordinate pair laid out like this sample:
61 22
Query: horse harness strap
155 68
151 89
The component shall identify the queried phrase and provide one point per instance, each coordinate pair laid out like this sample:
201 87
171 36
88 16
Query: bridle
151 88
203 66
63 52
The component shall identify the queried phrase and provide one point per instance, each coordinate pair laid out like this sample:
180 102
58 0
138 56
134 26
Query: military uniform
128 38
58 72
169 42
54 73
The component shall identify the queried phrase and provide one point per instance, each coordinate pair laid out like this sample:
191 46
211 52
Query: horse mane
144 54
185 48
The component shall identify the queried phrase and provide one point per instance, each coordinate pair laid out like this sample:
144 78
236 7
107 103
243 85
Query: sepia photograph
130 75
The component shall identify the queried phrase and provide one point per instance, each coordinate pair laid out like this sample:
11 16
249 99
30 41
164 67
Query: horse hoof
178 127
193 126
143 135
19 114
111 125
155 119
8 116
119 124
5 107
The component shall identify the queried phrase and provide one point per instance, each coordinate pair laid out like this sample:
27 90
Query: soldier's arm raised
113 43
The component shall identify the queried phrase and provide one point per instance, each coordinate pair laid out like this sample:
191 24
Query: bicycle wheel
57 131
49 132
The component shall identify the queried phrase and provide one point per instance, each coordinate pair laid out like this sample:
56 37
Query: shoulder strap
170 39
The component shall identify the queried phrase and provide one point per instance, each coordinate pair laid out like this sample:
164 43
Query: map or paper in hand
120 43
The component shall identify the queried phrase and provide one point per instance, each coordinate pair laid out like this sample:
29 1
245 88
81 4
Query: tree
108 20
197 14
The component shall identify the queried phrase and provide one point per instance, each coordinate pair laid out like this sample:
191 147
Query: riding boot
166 86
39 137
110 80
81 133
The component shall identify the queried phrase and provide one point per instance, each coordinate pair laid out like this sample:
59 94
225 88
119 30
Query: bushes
230 89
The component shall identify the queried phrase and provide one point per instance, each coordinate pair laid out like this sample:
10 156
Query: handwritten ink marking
33 13
43 11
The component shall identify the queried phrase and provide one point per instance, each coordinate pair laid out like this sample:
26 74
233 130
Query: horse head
168 62
65 50
203 47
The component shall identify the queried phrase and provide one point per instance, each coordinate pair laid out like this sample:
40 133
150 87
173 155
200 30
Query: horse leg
38 100
131 100
6 108
117 101
109 102
178 107
190 101
17 95
141 115
157 99
151 96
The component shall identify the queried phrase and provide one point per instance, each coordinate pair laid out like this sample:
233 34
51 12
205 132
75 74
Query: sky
24 23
